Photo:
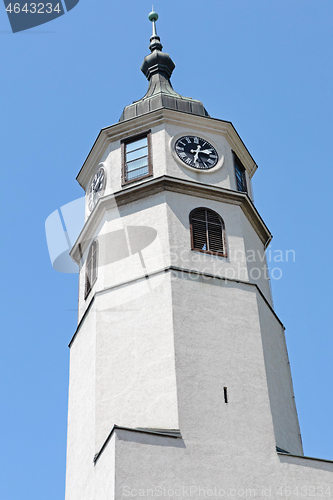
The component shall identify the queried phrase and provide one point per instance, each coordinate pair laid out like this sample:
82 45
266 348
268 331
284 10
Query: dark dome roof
158 67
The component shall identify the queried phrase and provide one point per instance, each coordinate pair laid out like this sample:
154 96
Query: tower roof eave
163 100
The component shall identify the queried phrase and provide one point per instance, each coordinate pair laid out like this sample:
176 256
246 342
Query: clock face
96 187
196 152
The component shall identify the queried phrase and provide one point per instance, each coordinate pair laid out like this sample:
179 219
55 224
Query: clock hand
206 151
99 183
196 153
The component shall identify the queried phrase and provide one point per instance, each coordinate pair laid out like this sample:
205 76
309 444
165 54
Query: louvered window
91 268
136 158
240 175
207 231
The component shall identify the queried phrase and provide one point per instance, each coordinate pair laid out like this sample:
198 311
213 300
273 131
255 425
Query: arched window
207 232
91 268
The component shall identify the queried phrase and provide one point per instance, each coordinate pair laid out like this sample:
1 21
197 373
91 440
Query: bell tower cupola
158 67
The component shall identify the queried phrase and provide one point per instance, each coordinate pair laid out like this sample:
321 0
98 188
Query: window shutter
207 231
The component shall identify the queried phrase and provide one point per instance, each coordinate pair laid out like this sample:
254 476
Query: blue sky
265 65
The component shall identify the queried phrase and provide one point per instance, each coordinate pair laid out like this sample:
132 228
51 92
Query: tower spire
157 63
155 41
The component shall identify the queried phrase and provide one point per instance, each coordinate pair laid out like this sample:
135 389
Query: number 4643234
34 8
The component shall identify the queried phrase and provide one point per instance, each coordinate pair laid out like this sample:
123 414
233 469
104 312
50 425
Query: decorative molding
167 183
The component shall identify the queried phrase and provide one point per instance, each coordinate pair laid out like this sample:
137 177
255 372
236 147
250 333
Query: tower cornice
167 183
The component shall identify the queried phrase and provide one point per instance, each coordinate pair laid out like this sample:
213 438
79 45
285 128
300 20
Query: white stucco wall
105 473
135 365
218 344
81 414
146 468
282 399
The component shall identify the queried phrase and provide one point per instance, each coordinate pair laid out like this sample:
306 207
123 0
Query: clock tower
180 382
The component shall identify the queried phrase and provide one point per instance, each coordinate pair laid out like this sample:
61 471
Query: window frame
124 143
224 243
239 164
89 258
